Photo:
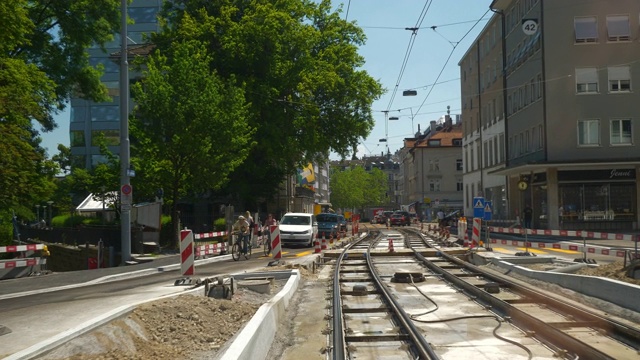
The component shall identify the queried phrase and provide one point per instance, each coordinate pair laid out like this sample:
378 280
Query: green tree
299 62
43 60
356 188
190 130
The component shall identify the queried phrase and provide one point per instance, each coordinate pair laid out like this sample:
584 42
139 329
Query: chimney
433 126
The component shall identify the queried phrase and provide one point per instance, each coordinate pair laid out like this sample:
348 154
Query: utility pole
125 190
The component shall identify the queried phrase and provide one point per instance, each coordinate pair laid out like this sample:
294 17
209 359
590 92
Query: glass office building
88 118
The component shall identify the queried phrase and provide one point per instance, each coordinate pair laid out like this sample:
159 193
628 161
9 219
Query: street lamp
37 213
125 198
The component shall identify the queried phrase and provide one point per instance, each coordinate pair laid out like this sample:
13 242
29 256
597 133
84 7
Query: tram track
372 315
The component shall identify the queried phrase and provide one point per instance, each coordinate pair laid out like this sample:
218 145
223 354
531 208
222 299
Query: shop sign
605 175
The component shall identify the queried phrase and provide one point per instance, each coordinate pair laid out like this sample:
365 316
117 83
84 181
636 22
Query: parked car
298 228
385 215
397 219
327 224
406 217
343 223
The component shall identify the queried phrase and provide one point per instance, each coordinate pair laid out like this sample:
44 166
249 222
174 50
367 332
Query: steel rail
338 348
546 333
420 342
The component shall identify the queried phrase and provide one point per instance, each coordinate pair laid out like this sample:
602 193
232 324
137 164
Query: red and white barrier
596 250
576 233
186 252
208 249
16 263
209 235
18 248
475 238
23 261
276 248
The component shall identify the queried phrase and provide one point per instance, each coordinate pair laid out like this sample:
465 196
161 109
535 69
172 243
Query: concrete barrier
617 292
254 340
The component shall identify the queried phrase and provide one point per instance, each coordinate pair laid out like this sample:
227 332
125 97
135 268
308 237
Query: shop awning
525 169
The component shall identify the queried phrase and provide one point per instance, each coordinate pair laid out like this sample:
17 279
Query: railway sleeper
377 338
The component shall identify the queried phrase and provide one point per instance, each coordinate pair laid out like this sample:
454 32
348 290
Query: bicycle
266 243
236 249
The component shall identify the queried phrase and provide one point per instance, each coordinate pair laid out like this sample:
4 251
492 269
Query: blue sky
384 23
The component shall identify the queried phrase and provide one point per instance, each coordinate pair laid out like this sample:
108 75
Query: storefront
576 196
597 199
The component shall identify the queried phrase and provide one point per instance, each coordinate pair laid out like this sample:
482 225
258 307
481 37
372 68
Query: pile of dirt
614 270
182 327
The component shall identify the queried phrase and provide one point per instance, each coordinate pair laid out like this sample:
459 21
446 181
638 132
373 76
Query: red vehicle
398 219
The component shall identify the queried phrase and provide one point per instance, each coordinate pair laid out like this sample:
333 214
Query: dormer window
457 142
434 142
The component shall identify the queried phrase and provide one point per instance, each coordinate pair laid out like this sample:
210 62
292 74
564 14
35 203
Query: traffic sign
126 189
478 207
488 210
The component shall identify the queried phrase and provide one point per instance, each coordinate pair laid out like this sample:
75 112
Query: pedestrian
561 215
441 221
242 227
528 216
266 230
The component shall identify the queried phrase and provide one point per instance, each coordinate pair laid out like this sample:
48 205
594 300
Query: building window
586 80
111 137
618 28
105 113
459 185
458 164
435 142
143 14
540 137
501 146
621 132
456 142
434 185
586 29
619 79
77 138
589 132
539 86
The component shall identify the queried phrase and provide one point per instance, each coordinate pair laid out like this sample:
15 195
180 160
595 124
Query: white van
298 228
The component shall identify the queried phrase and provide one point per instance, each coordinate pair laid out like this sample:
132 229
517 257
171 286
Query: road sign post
478 207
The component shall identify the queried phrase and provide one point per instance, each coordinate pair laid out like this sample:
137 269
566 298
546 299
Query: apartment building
89 118
483 120
432 168
572 124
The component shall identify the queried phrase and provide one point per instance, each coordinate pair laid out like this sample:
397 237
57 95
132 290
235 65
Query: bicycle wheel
236 250
266 247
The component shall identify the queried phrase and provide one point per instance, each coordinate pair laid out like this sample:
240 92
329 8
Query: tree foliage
299 63
190 130
356 188
43 60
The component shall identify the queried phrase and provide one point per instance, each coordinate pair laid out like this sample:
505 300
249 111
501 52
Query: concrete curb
254 340
616 292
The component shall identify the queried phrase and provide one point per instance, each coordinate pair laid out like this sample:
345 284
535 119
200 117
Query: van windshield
326 218
295 220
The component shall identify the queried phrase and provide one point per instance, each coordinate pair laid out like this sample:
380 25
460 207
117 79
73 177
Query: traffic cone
324 242
331 241
317 245
390 245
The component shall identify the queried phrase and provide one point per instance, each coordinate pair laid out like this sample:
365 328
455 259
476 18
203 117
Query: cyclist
242 226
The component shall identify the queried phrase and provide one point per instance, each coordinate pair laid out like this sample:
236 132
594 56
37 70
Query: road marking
565 251
304 253
503 250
